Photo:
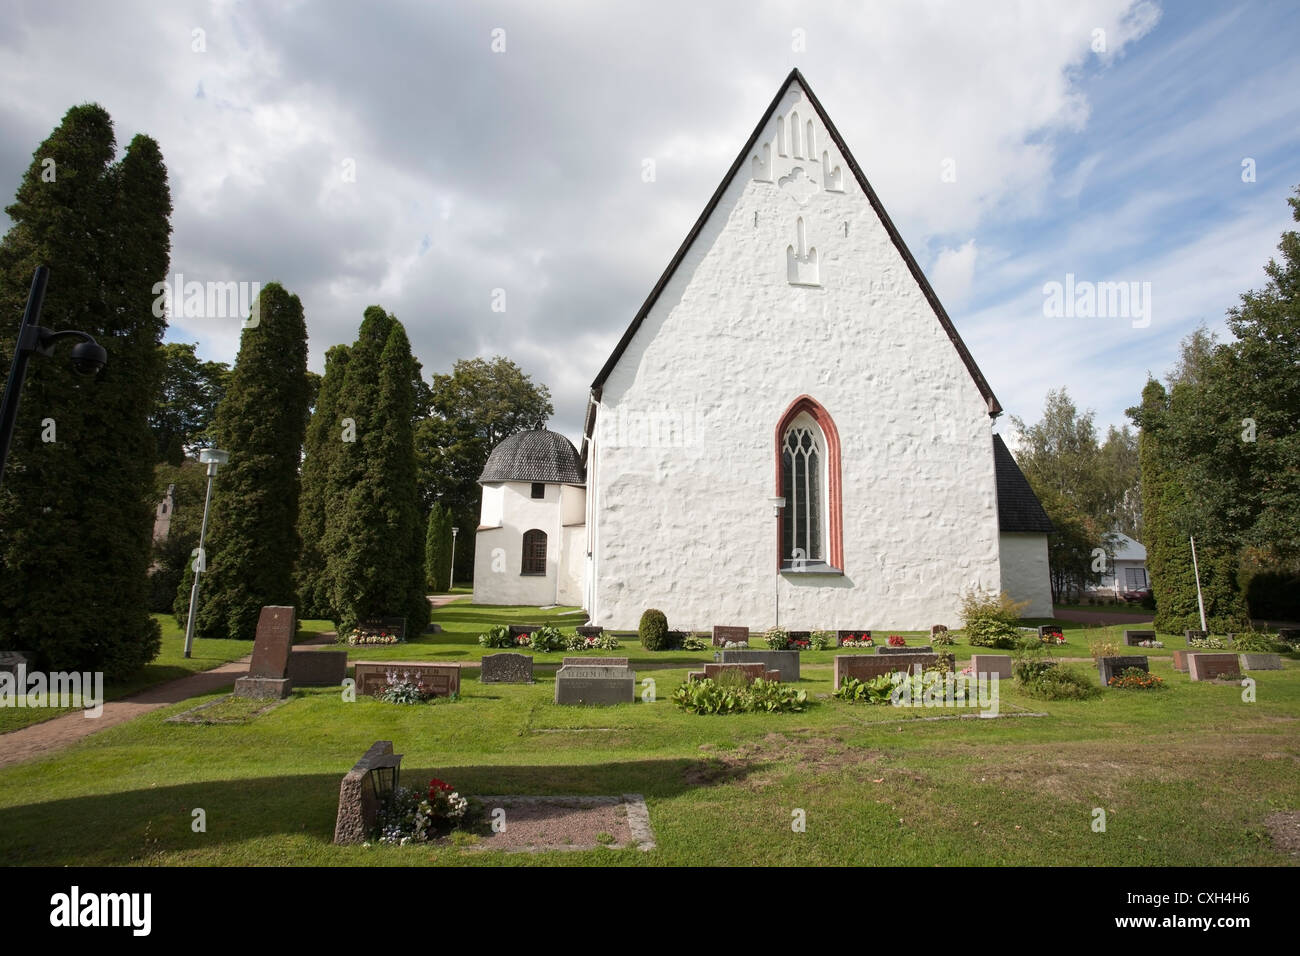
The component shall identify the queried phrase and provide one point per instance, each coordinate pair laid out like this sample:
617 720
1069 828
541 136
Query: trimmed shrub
989 620
653 630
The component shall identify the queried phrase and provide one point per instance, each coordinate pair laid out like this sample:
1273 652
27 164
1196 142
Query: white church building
790 428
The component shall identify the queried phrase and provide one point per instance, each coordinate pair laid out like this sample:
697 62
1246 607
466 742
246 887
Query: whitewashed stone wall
508 510
1025 572
793 287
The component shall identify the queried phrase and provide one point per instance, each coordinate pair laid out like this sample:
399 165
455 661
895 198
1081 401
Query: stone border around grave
184 716
638 817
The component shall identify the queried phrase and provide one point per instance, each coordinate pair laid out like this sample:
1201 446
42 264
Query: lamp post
213 458
777 504
451 575
88 357
1200 601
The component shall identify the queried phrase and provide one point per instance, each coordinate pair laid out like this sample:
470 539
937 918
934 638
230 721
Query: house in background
1127 570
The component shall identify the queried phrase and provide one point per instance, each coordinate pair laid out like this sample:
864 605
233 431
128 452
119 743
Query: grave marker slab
858 635
588 630
1049 630
594 662
991 664
1133 638
729 635
587 684
1205 666
507 668
1190 636
787 662
868 666
268 673
1261 662
309 668
396 626
1180 660
886 649
358 802
441 678
1108 667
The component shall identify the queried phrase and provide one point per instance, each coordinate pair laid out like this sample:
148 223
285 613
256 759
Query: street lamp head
213 456
455 531
88 357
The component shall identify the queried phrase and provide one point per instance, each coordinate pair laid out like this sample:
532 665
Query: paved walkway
39 739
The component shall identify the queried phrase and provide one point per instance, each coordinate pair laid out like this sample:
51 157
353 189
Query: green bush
692 643
777 638
1256 643
731 697
653 630
547 638
498 635
820 640
990 620
877 690
1057 683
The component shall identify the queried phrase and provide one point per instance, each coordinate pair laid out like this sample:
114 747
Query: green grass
1186 775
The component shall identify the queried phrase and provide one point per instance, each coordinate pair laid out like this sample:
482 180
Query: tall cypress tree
323 444
252 536
75 514
373 532
437 548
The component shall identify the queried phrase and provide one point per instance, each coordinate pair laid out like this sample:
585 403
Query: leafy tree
374 533
437 548
252 535
471 411
191 390
75 512
172 554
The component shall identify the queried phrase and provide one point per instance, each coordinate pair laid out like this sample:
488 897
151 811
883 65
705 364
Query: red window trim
806 403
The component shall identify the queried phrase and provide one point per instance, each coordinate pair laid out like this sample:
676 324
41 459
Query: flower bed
858 640
1151 643
406 817
708 696
1207 643
897 641
364 637
1135 678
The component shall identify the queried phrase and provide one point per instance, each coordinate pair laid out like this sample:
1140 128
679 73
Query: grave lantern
384 776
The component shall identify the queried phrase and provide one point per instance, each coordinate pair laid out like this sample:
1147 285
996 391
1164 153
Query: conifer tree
252 542
324 442
75 511
374 535
437 548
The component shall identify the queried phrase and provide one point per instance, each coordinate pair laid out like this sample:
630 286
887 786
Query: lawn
1186 775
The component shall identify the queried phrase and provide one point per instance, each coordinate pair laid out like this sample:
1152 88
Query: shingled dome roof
538 455
1018 506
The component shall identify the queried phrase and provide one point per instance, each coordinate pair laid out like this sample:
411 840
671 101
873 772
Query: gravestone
1261 662
1108 667
1288 634
588 630
842 636
1049 630
268 673
1180 660
441 678
1133 638
799 635
310 668
594 662
519 630
904 649
600 684
787 662
1204 666
1190 636
508 668
358 802
868 666
729 635
751 672
991 664
938 629
396 626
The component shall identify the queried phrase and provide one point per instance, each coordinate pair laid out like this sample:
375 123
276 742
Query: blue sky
520 169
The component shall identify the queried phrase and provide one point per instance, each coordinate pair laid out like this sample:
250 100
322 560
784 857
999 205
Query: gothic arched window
811 529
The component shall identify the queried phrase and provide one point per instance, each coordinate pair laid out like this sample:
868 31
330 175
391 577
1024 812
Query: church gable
796 150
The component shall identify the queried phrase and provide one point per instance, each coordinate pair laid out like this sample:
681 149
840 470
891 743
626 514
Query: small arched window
810 533
534 558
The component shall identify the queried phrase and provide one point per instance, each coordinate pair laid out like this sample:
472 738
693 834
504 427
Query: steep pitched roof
1018 507
994 407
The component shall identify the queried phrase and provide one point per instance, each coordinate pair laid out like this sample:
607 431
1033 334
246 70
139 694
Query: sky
477 168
